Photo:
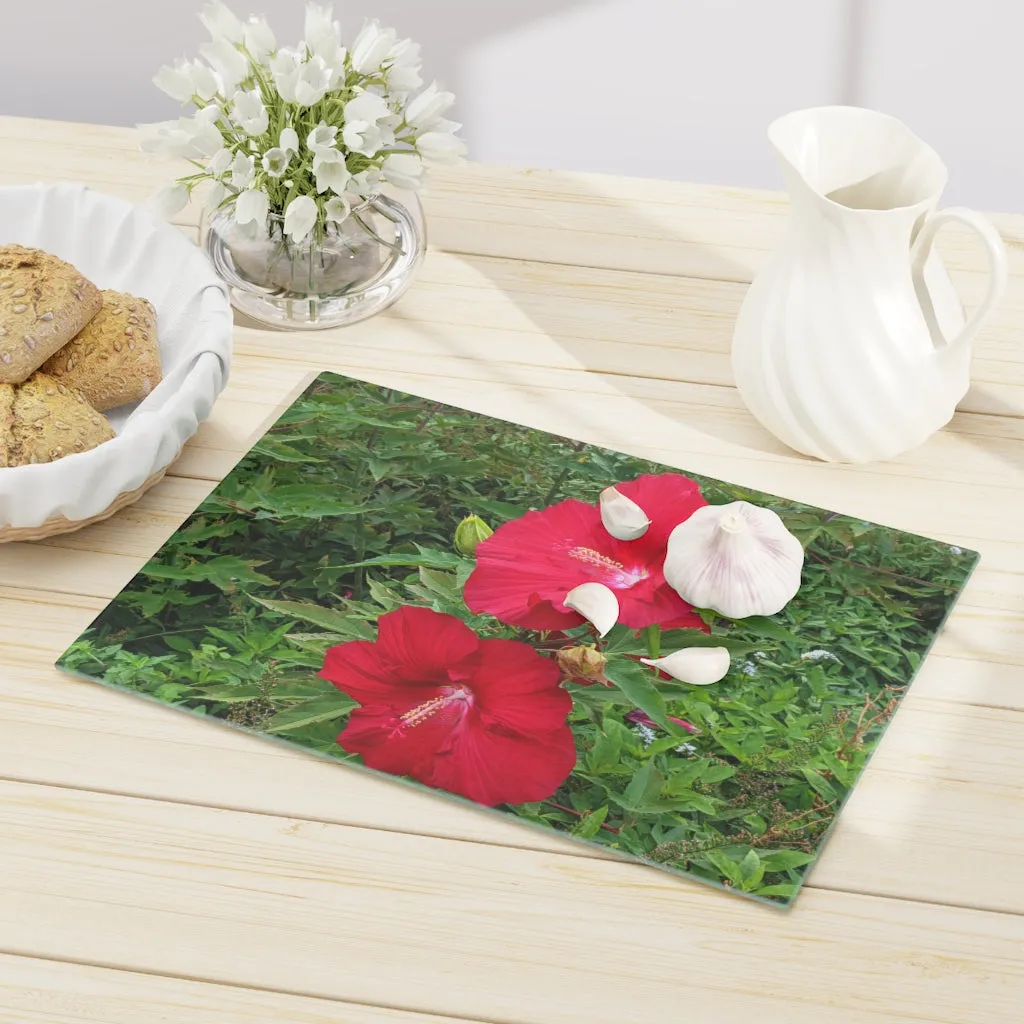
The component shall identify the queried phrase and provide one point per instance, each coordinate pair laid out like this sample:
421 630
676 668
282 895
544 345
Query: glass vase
357 269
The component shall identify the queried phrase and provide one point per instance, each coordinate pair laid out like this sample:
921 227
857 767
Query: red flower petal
485 719
415 647
492 768
419 640
526 569
518 689
668 499
489 766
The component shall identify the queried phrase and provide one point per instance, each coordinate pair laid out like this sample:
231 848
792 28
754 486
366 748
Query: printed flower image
482 718
685 671
528 567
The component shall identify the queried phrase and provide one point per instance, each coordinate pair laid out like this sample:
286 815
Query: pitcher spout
856 159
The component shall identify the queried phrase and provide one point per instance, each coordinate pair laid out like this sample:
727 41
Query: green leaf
638 684
588 826
605 752
725 866
441 583
764 626
378 468
698 638
621 640
783 860
382 595
224 571
683 776
840 769
425 559
171 691
229 694
729 746
688 801
643 788
820 785
784 889
757 824
325 709
338 622
273 448
717 773
751 870
501 509
308 501
179 643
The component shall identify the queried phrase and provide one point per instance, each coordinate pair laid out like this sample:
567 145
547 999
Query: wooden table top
156 867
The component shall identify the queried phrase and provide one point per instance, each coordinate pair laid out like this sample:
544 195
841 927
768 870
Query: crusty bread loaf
44 303
115 359
6 423
41 420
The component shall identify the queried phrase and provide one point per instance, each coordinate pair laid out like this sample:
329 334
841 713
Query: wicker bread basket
121 247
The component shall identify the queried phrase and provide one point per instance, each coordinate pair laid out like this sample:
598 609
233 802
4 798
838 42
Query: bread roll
44 303
42 421
115 359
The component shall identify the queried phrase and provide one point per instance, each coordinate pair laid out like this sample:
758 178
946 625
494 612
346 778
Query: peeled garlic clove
622 517
737 559
596 603
698 666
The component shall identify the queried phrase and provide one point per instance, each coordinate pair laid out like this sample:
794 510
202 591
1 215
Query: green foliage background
232 617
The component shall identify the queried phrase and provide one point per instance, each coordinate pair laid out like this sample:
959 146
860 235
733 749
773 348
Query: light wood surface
158 868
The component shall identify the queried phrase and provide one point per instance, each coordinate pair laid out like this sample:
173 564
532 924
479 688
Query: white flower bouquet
300 137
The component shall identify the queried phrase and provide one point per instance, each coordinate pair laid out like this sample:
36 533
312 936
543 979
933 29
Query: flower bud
469 533
582 664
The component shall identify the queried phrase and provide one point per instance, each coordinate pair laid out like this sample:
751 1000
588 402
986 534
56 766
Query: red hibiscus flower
482 718
526 568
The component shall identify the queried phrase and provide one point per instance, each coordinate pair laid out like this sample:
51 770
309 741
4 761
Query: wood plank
527 315
569 217
103 157
34 991
926 822
343 913
554 298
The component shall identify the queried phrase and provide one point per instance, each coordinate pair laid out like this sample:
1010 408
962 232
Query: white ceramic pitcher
851 344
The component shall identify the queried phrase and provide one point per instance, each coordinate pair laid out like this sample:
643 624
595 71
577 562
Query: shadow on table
548 301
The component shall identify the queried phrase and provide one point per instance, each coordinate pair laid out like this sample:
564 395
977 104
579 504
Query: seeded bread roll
115 359
6 423
42 421
44 303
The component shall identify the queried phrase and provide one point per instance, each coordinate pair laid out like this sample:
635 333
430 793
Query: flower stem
579 814
652 637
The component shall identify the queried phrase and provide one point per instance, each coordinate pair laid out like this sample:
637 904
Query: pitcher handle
997 265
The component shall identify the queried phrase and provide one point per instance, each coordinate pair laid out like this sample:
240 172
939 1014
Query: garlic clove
698 666
622 517
596 603
736 559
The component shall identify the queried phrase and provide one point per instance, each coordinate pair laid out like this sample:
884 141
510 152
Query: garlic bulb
622 517
698 666
737 559
596 603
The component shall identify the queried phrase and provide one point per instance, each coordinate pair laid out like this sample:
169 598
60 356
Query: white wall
660 88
